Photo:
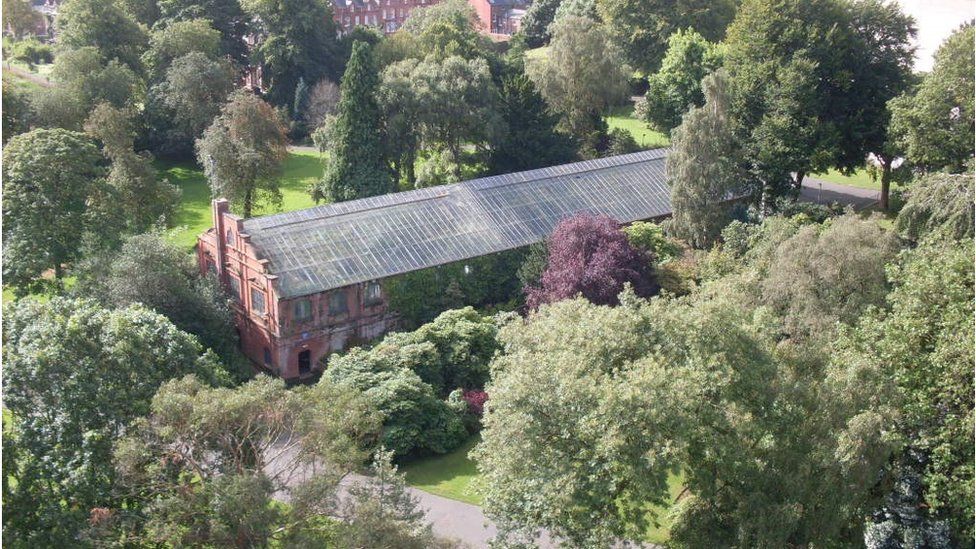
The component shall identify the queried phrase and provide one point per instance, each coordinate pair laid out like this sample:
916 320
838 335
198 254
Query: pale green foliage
677 85
582 75
53 194
934 126
703 169
592 407
829 273
925 344
75 376
939 203
20 16
242 151
439 168
380 512
446 29
206 462
180 38
103 25
650 237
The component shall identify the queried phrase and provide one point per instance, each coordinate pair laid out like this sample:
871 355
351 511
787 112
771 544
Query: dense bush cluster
409 378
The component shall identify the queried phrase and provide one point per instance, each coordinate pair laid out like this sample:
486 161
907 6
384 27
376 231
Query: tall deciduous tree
882 70
356 167
299 42
939 203
225 15
531 140
924 343
76 375
20 16
144 199
677 86
104 26
799 103
207 463
643 27
536 21
582 75
194 90
242 151
764 433
177 39
590 255
934 126
50 180
703 167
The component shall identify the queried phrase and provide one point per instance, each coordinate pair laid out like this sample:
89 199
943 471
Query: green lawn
452 475
859 179
623 117
301 169
455 476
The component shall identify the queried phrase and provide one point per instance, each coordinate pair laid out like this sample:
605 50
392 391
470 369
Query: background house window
374 293
303 310
338 304
267 356
235 287
257 301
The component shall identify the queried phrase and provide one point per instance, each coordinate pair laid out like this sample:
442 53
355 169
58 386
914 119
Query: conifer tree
356 167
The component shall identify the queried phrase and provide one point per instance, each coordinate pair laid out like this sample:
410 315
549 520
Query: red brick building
500 17
309 283
387 15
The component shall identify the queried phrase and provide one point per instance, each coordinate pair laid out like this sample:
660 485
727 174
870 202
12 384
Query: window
374 293
304 362
303 310
257 301
235 287
338 305
267 356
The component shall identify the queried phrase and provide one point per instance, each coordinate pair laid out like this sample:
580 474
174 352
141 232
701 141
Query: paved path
825 192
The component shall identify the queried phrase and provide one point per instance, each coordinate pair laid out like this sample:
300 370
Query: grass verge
623 118
453 475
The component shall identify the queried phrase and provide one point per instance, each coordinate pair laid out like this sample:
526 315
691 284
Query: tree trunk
248 199
885 182
799 180
411 162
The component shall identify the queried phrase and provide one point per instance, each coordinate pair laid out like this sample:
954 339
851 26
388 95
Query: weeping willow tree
703 168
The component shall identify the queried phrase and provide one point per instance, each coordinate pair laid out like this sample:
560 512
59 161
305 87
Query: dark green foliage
53 189
149 270
415 420
620 141
16 110
103 25
356 166
31 52
75 375
530 271
807 82
642 27
225 15
489 280
535 23
531 140
463 343
298 42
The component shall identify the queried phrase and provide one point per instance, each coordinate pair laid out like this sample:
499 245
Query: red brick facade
288 337
500 17
387 15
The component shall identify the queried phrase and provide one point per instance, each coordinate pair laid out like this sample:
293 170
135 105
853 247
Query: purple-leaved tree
590 255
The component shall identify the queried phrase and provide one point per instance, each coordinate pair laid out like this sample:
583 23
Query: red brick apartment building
309 283
388 15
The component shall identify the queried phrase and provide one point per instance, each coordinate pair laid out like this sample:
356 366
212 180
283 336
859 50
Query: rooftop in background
336 245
